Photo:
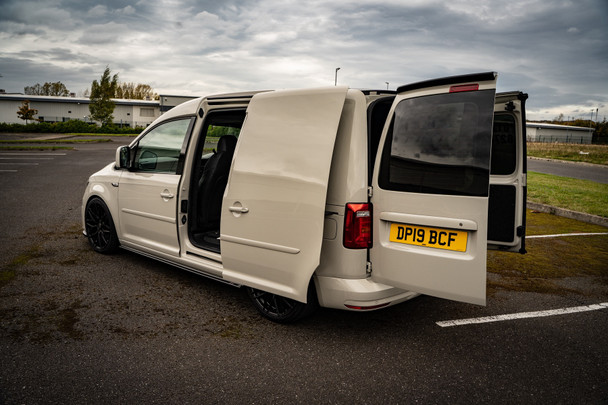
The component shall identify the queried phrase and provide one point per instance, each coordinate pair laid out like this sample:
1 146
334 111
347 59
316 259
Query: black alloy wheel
100 227
280 309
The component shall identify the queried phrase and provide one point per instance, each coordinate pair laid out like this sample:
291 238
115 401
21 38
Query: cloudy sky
555 50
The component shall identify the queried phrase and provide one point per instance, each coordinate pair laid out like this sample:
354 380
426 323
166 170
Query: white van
337 197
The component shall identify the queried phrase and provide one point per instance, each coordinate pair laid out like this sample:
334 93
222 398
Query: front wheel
280 309
100 227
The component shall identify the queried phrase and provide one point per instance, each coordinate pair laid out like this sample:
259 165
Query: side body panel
347 183
274 205
147 211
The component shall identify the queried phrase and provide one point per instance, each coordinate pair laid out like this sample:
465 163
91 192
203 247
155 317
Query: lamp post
336 78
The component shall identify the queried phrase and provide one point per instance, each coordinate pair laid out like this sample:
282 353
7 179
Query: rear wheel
100 227
280 309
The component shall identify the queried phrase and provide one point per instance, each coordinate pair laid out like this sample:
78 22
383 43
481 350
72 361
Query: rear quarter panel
347 183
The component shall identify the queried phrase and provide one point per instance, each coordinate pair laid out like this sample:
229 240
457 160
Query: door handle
167 195
240 210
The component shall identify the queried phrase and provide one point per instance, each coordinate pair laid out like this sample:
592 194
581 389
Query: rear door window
440 144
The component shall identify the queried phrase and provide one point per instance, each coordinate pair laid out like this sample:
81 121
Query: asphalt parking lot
79 327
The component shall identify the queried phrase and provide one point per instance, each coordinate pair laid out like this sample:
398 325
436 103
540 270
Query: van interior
211 176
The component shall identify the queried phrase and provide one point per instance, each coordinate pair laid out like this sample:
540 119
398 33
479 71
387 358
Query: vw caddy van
337 197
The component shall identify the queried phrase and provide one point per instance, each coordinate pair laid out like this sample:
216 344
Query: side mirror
123 154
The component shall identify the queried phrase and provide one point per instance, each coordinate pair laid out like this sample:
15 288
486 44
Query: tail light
358 226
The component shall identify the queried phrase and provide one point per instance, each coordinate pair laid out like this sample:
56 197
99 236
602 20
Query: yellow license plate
448 239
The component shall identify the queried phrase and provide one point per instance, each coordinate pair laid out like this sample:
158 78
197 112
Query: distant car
350 199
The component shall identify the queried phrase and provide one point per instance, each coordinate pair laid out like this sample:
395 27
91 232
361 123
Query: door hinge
370 192
368 268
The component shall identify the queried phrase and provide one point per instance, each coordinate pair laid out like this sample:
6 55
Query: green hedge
67 127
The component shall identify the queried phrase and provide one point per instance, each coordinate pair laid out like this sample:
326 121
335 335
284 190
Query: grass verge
550 262
564 192
597 154
108 134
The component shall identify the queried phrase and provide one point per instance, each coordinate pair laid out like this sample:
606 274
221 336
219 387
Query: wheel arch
108 195
282 309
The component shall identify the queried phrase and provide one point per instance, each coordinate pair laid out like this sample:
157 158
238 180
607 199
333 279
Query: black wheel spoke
278 308
275 305
100 227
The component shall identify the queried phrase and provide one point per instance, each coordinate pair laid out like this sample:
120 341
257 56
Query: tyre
280 309
100 227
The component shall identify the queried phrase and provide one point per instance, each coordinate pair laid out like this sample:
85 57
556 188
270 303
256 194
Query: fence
559 139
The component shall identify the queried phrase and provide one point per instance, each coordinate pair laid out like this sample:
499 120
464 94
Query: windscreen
440 144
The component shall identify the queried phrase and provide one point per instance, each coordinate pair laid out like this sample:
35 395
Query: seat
213 183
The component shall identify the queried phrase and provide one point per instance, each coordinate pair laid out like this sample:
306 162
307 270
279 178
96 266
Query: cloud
128 10
98 11
105 34
556 51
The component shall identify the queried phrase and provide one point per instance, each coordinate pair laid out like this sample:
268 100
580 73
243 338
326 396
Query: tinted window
503 145
159 150
440 144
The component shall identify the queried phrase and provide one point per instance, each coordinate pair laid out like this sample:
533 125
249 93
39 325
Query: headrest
226 143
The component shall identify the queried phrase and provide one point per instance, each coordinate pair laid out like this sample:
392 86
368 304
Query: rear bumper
358 294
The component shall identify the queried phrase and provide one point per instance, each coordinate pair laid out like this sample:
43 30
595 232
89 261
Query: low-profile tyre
100 227
283 310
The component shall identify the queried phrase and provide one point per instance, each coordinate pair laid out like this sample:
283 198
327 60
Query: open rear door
430 188
507 210
274 205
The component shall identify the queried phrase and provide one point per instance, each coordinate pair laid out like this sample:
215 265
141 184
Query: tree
25 112
101 106
135 91
47 89
601 132
559 118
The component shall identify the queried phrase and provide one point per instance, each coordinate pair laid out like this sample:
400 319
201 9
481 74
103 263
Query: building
542 132
140 113
130 113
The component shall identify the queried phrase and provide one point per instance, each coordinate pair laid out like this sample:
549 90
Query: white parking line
566 234
31 154
26 158
523 315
